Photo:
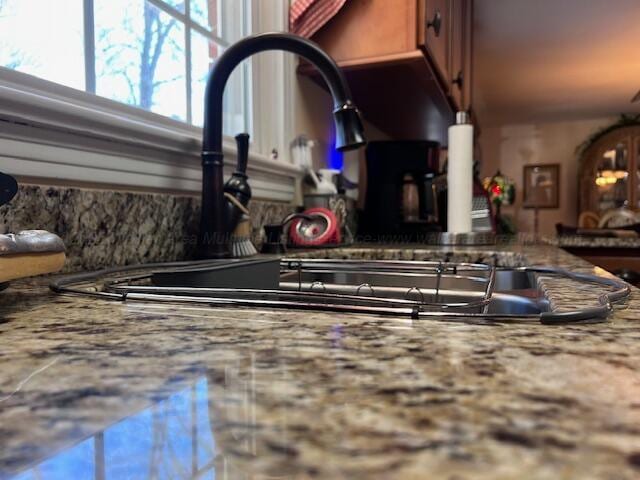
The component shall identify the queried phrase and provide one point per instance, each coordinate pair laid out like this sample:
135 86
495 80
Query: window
152 54
111 92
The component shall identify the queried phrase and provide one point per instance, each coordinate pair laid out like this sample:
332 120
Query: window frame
107 143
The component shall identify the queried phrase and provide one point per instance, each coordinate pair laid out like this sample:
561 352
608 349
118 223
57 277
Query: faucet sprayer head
349 131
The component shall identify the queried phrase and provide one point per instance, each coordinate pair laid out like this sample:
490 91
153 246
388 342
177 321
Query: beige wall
312 115
510 147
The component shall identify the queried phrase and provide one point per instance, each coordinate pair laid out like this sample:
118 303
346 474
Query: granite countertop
585 241
97 389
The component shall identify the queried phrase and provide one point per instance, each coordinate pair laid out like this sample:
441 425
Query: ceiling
554 60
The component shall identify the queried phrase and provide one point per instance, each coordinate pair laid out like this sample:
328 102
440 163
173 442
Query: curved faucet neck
236 53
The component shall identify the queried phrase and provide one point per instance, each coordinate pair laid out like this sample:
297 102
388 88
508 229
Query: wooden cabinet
435 28
407 61
461 65
467 61
457 74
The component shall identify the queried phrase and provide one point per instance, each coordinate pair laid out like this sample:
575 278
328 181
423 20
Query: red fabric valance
306 17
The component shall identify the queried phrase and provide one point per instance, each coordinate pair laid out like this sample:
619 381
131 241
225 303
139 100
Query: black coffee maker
401 197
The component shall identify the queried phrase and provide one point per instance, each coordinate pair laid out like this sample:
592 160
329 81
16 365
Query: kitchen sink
418 289
430 286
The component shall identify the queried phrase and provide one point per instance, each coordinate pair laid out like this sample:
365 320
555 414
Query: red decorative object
305 233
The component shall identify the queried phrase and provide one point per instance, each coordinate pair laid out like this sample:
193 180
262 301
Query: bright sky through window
43 38
148 54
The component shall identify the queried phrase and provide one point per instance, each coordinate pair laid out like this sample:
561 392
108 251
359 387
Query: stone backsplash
104 228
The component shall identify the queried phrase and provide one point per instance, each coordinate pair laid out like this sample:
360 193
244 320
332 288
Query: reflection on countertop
170 439
95 389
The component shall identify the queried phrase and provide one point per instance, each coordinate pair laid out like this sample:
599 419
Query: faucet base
214 239
213 251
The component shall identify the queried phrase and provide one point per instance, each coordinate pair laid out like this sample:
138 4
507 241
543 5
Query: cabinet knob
435 23
458 80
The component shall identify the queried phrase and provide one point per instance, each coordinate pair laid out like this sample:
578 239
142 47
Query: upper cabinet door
467 63
457 73
434 33
460 67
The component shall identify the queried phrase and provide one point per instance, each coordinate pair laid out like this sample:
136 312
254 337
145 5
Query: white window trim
50 131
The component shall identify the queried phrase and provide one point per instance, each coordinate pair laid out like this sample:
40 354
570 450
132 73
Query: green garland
624 121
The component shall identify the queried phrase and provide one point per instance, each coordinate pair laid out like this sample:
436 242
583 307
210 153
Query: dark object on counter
274 241
504 224
8 188
256 274
218 213
628 275
406 194
401 195
237 190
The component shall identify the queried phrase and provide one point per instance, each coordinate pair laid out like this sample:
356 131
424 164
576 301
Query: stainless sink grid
429 284
417 289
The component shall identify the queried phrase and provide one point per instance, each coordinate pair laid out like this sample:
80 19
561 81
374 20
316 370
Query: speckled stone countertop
584 241
97 389
97 230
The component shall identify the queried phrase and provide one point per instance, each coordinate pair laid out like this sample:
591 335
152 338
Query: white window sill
50 131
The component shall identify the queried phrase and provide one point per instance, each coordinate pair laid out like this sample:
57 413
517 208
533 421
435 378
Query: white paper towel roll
460 178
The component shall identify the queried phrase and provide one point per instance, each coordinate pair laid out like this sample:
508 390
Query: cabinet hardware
458 80
436 23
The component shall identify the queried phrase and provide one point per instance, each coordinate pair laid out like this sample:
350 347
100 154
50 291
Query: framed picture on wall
541 186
